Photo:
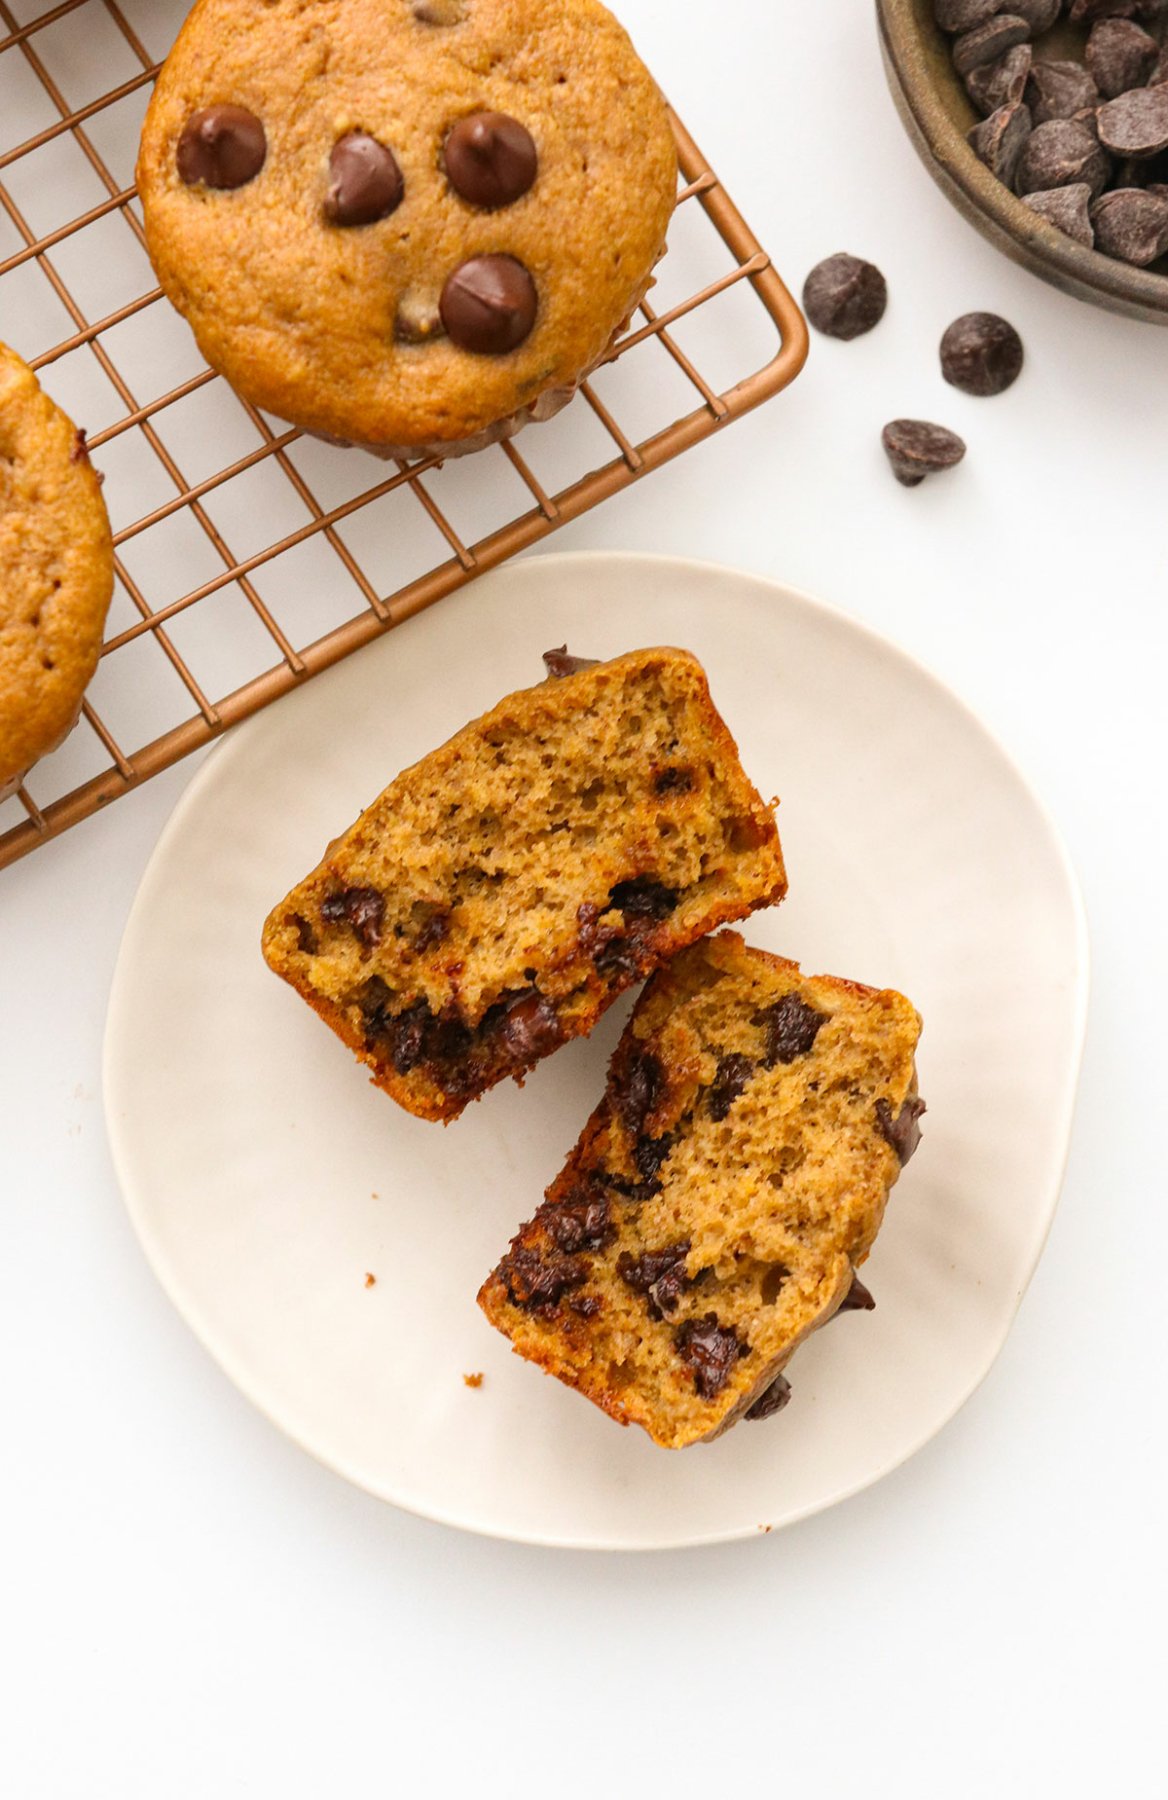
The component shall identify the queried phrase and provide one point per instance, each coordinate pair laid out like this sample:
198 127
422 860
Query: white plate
266 1177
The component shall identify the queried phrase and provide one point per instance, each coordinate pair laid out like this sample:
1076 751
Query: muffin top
56 570
397 222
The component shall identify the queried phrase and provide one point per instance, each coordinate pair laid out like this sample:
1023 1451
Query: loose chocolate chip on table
365 183
989 41
1120 55
916 448
772 1401
711 1350
561 663
857 1298
1002 83
999 141
1059 153
1067 208
1059 90
1132 224
904 1131
1137 123
791 1029
962 15
361 908
844 296
1040 15
981 354
490 159
732 1075
221 147
489 304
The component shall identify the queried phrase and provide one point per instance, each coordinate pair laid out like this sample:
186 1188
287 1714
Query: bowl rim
956 165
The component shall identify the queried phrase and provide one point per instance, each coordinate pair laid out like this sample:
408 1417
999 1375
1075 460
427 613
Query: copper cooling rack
248 556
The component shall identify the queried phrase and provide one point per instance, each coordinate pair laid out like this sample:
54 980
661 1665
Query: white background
194 1608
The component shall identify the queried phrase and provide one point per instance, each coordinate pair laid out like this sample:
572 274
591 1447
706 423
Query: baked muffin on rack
722 1195
409 224
56 571
501 893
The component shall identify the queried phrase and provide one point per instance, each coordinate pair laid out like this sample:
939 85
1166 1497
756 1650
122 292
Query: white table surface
192 1607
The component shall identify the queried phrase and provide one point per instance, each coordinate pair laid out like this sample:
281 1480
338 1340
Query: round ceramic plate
268 1180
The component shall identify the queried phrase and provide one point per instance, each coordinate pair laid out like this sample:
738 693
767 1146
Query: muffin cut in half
502 892
722 1195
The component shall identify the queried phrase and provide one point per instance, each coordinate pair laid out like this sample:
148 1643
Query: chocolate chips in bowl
1046 122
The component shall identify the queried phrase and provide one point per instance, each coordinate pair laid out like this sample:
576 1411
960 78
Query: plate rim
233 744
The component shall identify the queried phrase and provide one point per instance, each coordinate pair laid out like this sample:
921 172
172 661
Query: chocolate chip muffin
500 894
722 1195
409 224
56 571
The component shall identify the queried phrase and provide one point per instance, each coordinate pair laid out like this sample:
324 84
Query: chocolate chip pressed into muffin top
410 224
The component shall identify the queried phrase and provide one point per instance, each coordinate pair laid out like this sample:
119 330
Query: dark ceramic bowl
937 113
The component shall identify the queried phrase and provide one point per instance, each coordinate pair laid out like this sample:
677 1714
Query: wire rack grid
300 552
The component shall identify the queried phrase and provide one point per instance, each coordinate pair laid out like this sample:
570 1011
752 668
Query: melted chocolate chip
643 898
857 1298
586 1306
732 1076
306 938
365 183
637 1090
771 1401
361 908
538 1278
904 1131
648 1154
561 663
491 159
221 147
711 1350
582 1222
658 1274
530 1027
674 780
433 932
489 304
80 450
791 1029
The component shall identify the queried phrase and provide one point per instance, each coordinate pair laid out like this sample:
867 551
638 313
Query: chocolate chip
987 42
582 1222
999 141
1059 90
1120 56
732 1075
857 1298
1068 209
531 1028
904 1131
643 898
417 320
1059 153
638 1090
361 908
963 15
488 305
844 297
711 1350
586 1306
649 1153
1132 224
981 354
433 931
658 1274
80 449
306 939
673 781
221 147
560 663
915 448
406 1033
490 159
540 1277
1137 123
791 1029
1003 83
1085 12
365 183
772 1401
